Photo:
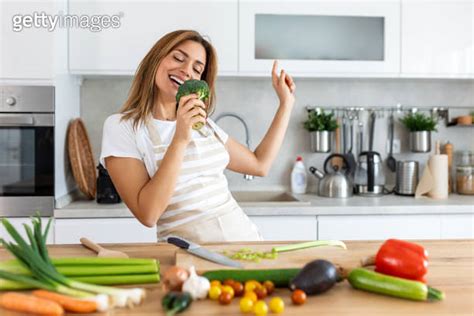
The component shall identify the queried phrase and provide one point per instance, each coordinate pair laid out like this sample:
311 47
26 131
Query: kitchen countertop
357 205
451 270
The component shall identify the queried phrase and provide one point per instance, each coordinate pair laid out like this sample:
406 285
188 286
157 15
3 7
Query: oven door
26 164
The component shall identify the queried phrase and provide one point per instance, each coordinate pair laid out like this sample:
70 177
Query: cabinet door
103 230
286 227
438 37
119 50
379 227
320 38
457 226
18 222
26 51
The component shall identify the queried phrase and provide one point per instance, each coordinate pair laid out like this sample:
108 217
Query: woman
170 175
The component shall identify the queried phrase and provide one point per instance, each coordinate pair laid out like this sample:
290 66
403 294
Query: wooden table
451 270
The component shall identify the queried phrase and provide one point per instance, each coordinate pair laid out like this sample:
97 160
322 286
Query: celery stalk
309 244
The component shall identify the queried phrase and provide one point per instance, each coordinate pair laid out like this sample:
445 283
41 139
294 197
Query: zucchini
279 277
375 282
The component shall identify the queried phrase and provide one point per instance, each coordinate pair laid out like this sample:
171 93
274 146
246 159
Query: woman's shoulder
119 121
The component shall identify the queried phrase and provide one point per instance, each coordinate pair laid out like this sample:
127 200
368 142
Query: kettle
369 178
335 184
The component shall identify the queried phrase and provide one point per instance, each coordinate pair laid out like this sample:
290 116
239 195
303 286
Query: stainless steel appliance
26 150
369 178
335 184
406 177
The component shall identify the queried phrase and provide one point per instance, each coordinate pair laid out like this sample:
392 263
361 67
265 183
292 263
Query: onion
174 278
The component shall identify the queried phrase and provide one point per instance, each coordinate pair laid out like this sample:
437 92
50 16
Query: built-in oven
26 151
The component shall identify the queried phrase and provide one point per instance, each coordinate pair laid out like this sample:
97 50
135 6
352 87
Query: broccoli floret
198 87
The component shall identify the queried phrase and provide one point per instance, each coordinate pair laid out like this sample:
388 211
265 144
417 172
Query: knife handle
181 243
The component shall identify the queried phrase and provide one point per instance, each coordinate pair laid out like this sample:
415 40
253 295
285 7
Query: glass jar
465 173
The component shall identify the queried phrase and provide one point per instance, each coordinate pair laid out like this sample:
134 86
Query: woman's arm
258 163
148 198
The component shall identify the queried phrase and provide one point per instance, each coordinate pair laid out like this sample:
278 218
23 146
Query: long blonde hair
143 92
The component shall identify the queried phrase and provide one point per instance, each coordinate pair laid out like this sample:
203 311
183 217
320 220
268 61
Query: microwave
319 37
26 151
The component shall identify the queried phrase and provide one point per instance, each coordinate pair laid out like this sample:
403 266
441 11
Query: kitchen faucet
247 133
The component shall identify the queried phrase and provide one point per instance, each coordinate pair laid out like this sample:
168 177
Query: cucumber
375 282
279 277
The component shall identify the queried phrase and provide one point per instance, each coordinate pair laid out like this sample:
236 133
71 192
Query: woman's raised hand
284 85
191 110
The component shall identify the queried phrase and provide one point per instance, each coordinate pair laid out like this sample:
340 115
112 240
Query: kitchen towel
434 181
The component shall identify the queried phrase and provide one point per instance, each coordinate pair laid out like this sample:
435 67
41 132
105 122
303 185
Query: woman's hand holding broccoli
190 111
284 86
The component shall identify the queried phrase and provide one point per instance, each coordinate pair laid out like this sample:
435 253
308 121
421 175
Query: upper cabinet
320 38
119 48
438 38
26 50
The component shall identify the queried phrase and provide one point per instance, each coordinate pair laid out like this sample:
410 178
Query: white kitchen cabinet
320 38
25 52
18 222
286 227
119 50
379 227
437 38
103 230
457 226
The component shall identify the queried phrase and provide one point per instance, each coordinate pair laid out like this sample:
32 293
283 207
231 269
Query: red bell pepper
402 259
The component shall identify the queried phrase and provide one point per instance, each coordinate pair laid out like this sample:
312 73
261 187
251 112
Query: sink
267 198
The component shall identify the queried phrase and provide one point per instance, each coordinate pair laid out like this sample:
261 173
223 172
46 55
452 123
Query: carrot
68 303
30 304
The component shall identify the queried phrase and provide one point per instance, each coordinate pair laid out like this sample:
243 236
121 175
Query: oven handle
12 120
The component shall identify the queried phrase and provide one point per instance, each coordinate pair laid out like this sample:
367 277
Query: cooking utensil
371 131
360 137
336 184
406 178
369 178
351 161
391 161
199 251
338 162
101 251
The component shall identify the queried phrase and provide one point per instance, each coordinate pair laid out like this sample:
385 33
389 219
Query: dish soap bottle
298 177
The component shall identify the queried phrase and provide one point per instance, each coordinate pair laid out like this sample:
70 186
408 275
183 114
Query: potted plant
420 127
320 126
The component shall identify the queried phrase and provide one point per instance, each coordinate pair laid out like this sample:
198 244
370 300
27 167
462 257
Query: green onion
309 244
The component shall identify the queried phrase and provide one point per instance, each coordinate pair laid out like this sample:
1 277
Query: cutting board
290 259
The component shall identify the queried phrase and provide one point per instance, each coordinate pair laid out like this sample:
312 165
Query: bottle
298 177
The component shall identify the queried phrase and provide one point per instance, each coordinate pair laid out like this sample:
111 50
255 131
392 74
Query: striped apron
202 208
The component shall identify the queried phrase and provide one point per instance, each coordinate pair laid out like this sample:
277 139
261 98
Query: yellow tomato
214 292
228 289
251 295
277 305
251 285
246 305
216 283
260 308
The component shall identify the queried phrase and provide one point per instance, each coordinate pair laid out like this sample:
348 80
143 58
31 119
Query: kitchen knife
199 251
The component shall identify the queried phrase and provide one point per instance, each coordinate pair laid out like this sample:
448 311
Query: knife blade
201 252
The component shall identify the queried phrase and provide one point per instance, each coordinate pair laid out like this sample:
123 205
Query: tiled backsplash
255 100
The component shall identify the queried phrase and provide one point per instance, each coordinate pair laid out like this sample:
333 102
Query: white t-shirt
120 139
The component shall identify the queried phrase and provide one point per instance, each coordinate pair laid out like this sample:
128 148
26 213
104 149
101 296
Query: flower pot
321 141
420 142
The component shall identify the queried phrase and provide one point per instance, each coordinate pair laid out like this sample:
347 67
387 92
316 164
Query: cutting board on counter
290 259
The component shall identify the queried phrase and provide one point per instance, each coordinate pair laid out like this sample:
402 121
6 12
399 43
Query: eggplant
316 277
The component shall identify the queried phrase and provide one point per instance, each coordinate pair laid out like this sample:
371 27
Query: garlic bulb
196 285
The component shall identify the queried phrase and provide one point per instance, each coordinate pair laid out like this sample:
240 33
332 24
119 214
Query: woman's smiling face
185 62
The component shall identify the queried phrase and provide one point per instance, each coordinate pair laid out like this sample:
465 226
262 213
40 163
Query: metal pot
335 184
321 141
420 142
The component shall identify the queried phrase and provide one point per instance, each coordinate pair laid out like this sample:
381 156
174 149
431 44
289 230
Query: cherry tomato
277 305
216 283
260 308
215 292
228 282
251 295
261 292
246 305
269 286
298 297
238 288
228 289
225 298
251 285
